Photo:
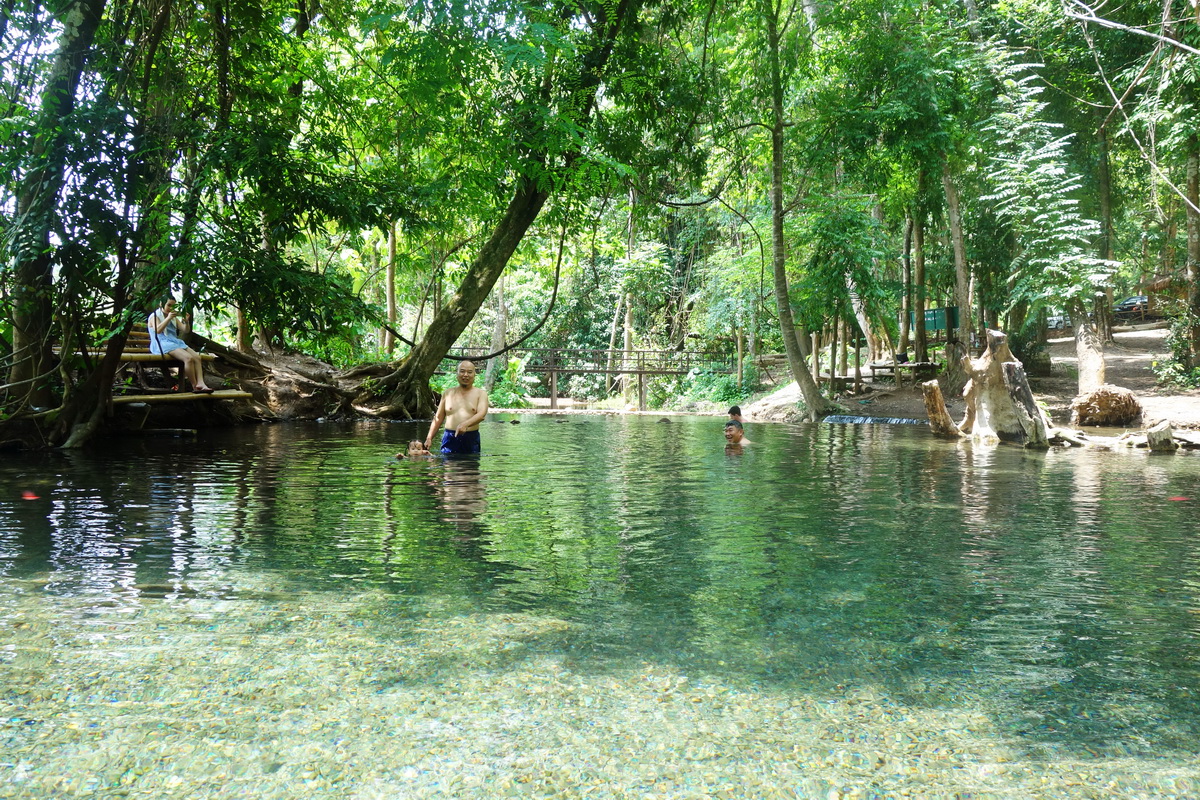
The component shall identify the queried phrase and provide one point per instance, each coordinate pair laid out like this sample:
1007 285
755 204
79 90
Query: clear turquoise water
1048 601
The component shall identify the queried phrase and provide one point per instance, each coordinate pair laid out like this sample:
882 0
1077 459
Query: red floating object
28 495
1179 498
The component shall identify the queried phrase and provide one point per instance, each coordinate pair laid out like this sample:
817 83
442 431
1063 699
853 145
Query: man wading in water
463 407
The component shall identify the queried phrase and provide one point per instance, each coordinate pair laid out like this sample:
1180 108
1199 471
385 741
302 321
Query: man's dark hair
735 411
733 423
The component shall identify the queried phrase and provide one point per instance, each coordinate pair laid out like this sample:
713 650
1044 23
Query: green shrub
586 387
1177 369
716 387
511 389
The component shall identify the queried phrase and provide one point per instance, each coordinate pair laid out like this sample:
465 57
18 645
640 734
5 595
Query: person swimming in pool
462 408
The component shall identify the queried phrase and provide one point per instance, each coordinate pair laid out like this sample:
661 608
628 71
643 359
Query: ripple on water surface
613 603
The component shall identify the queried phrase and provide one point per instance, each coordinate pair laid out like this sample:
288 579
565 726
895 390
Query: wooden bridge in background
642 363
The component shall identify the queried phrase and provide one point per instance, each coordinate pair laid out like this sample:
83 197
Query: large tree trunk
874 347
958 340
148 190
874 344
1193 245
813 399
906 287
85 406
921 341
1105 245
1089 350
962 276
33 264
409 392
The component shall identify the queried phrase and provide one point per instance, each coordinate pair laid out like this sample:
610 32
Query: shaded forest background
376 183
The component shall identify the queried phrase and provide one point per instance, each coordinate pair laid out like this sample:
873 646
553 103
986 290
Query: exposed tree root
1106 405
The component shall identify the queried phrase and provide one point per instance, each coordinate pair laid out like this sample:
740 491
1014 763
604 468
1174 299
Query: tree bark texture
1104 321
940 421
906 290
1193 246
1160 438
813 399
874 347
920 339
1000 404
1089 350
962 277
33 263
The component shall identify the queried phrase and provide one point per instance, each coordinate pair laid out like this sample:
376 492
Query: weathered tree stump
1000 404
940 421
1106 405
1160 438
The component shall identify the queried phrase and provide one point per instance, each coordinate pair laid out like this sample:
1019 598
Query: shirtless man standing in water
463 407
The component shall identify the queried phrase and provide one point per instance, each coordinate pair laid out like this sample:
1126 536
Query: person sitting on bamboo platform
163 325
735 435
462 407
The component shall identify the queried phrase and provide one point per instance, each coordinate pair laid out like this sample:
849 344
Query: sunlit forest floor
1129 363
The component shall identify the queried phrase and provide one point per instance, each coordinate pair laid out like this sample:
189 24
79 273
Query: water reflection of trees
1063 570
825 556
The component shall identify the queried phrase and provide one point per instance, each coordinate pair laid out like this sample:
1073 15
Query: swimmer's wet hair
733 423
735 411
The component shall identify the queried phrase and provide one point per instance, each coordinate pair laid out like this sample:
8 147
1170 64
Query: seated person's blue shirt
464 442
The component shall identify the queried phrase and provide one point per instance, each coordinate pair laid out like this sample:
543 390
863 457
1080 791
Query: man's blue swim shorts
460 443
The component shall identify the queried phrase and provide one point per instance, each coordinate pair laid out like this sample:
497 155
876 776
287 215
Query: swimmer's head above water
734 433
415 449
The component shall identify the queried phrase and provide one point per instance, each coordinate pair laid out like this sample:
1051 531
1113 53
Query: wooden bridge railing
642 363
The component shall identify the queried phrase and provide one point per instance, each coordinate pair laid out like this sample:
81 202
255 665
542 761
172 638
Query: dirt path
1128 363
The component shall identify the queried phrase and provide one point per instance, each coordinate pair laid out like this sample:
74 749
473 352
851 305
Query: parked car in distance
1057 322
1131 308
